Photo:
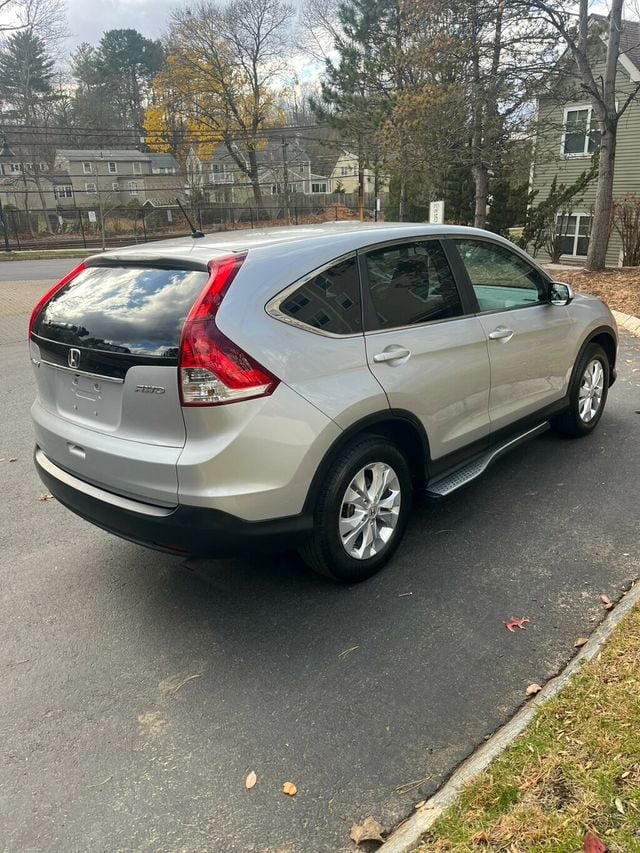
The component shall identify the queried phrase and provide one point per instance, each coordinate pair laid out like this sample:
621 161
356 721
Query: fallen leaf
606 602
290 789
481 837
420 804
13 459
619 805
592 844
532 689
625 774
250 781
581 641
46 497
514 623
368 830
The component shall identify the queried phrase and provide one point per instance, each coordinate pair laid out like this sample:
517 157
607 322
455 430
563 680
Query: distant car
294 387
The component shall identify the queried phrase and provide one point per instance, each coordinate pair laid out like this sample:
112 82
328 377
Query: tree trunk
481 178
601 223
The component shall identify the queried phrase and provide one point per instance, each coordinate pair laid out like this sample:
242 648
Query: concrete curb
408 834
628 322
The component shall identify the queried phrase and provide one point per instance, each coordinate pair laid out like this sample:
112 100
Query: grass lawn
576 770
35 254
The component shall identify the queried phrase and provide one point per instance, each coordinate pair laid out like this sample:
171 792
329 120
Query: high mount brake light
213 369
45 299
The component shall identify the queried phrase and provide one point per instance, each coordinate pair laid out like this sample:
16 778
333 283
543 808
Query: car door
423 344
529 339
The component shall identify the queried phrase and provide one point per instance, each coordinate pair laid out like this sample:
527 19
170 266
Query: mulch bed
619 288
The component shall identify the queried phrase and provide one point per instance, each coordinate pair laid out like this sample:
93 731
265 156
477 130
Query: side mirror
560 293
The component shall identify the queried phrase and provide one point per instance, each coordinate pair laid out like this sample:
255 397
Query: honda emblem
74 358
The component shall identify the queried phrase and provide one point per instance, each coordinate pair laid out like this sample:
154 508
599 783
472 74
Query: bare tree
227 60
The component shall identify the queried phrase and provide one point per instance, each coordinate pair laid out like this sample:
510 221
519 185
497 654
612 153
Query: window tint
500 278
411 283
123 309
329 301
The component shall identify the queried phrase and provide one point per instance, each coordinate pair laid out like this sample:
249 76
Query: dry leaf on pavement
592 844
606 602
368 830
581 641
46 497
290 789
532 689
250 781
514 623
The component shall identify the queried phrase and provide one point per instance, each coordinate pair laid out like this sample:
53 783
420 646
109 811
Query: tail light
45 299
214 370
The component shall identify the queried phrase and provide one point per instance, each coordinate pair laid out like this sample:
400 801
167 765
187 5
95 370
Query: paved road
52 268
351 693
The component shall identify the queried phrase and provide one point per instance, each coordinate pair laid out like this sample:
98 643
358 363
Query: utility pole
285 178
4 229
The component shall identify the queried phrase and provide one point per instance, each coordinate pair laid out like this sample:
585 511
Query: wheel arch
605 337
400 426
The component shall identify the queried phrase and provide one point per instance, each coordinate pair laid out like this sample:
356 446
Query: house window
115 186
90 188
579 138
28 167
113 168
63 191
43 167
87 168
137 168
318 188
574 231
133 187
16 167
344 171
274 189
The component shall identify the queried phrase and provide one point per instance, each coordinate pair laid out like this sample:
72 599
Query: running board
448 482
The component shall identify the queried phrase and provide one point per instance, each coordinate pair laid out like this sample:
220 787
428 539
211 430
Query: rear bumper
186 530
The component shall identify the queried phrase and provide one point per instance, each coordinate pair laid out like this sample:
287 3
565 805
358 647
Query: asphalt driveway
365 697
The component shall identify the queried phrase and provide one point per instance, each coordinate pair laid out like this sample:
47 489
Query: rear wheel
361 512
587 394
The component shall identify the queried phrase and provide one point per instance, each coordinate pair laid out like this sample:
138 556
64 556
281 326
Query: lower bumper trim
184 530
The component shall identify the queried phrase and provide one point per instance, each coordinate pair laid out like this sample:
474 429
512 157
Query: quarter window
500 278
411 283
329 301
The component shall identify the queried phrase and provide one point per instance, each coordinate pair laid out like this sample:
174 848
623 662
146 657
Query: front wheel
587 393
361 512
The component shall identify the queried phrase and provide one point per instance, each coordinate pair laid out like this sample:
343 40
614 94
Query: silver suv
295 387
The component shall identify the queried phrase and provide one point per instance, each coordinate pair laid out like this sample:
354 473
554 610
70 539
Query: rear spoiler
142 260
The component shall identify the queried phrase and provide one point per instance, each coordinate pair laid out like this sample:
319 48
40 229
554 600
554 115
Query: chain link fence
107 228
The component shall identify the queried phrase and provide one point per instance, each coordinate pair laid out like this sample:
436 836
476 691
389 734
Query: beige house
344 176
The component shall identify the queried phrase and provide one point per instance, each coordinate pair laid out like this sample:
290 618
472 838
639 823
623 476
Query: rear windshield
135 310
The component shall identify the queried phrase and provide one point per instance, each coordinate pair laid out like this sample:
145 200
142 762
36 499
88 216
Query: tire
371 516
585 411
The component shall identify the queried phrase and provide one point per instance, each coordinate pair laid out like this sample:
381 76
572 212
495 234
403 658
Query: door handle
501 334
392 354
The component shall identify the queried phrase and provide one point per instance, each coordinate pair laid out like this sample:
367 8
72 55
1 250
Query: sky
88 19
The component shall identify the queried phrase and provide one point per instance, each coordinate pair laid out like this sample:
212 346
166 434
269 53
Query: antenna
194 231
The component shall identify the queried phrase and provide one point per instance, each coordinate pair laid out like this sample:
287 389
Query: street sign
92 216
436 212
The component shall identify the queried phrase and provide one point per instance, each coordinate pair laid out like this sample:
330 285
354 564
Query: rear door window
128 310
329 302
411 283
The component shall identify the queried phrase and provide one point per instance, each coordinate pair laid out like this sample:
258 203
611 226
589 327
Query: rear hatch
106 349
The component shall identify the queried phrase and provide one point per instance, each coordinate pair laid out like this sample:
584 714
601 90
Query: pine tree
26 76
